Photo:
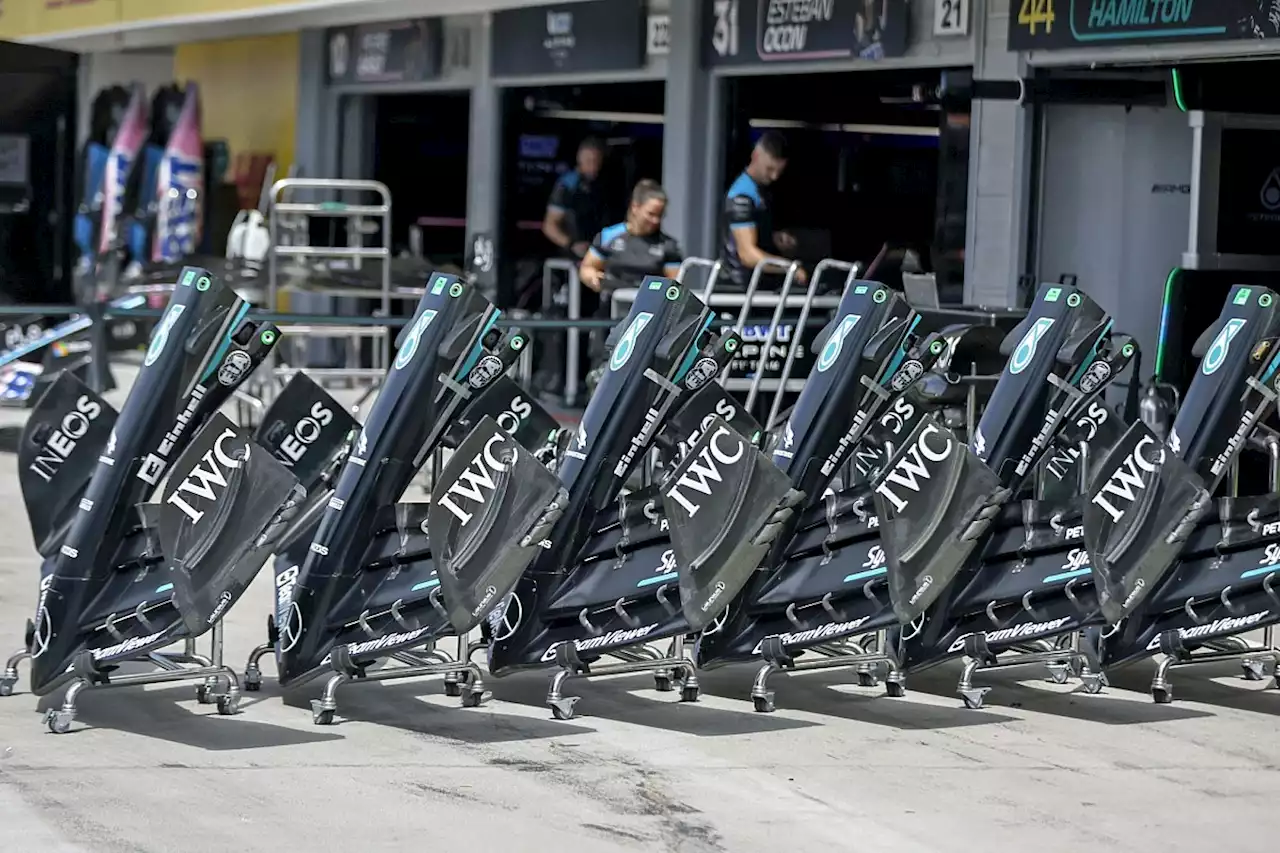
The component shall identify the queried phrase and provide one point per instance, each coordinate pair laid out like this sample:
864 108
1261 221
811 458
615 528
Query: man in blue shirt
575 210
747 235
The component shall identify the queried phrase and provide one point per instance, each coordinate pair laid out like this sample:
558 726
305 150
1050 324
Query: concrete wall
999 169
1116 206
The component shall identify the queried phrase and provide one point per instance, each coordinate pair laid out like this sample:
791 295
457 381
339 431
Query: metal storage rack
355 213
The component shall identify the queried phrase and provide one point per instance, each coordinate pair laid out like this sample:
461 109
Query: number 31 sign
951 17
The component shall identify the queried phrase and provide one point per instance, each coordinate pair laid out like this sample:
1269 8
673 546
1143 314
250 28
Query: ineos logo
511 419
305 432
62 442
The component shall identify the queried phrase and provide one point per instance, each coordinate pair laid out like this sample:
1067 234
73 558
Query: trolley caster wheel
689 693
763 704
895 689
475 698
322 716
253 680
452 688
1162 695
866 678
662 683
562 709
228 705
1059 672
1093 682
204 694
1254 670
7 685
59 722
974 697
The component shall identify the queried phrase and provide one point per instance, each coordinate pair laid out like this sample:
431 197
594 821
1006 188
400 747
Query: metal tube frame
668 670
865 653
1253 659
573 337
701 263
852 270
219 683
1061 663
461 677
358 252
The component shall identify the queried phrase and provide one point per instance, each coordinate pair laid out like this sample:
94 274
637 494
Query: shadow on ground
157 714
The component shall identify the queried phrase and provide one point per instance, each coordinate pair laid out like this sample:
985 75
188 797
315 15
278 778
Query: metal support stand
9 679
674 668
1253 659
465 677
1062 663
219 684
866 656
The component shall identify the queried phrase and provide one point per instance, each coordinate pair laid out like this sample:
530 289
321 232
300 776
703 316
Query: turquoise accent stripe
1093 354
669 576
1263 570
474 355
901 353
164 588
1271 369
226 342
424 585
694 348
1180 32
871 573
1068 575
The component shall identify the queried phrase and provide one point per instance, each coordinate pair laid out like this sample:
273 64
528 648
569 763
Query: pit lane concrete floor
835 768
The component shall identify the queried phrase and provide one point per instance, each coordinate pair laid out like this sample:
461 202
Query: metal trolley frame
280 211
1253 659
219 683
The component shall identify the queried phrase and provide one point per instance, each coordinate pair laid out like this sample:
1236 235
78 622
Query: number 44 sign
1036 13
951 17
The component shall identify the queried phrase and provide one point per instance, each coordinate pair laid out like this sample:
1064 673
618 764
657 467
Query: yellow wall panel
35 17
248 91
146 10
23 18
